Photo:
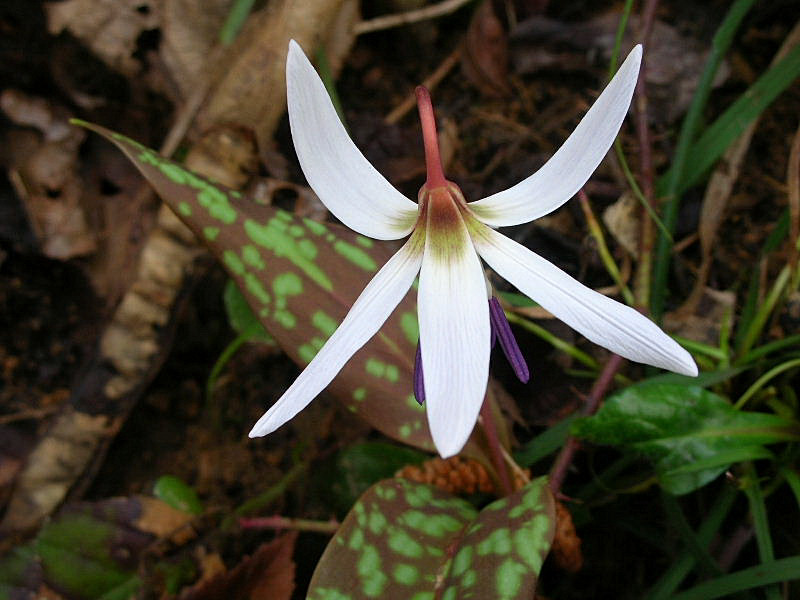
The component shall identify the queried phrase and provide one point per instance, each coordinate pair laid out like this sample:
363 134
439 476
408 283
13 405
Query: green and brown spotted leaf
90 550
301 277
410 540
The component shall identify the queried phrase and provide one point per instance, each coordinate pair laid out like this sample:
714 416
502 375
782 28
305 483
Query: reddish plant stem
490 429
279 522
564 459
433 161
647 233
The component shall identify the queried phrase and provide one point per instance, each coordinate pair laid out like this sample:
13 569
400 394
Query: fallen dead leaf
674 61
622 220
266 575
189 30
110 28
43 173
702 325
485 57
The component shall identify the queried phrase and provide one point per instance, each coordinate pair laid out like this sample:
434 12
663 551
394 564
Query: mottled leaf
90 550
689 433
300 277
411 540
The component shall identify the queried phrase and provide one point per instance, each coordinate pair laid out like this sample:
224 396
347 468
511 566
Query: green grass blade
670 189
544 444
758 510
236 18
769 348
785 569
727 128
623 25
762 313
685 562
678 523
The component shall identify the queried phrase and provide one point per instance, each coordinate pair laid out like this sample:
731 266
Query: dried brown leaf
189 30
250 91
622 220
43 173
485 57
266 575
110 28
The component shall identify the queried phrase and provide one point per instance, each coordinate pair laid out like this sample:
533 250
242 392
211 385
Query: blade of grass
553 340
766 349
671 188
602 248
761 381
623 25
793 479
758 510
544 444
326 74
682 566
678 523
785 569
236 18
720 134
764 311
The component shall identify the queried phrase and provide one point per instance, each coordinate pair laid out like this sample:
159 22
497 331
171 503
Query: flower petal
604 321
569 168
454 329
366 316
344 180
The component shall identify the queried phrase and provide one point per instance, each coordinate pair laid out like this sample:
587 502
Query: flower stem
279 522
495 451
564 459
433 160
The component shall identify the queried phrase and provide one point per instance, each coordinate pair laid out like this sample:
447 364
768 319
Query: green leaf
359 466
689 433
703 379
410 540
177 494
241 317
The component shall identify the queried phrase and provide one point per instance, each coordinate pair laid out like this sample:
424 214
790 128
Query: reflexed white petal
604 321
454 335
572 165
344 180
369 312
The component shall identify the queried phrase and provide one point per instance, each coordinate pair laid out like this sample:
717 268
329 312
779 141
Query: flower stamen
502 329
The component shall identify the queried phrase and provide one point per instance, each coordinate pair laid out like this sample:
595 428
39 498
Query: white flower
447 237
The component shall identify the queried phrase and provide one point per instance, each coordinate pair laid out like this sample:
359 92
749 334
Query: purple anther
419 381
508 342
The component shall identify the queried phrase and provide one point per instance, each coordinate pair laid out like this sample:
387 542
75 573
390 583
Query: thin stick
430 82
412 16
793 183
278 522
564 459
647 232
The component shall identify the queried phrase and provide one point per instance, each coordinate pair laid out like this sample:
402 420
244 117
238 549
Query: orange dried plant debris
566 548
456 475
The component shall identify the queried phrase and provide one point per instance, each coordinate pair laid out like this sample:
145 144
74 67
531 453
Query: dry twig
412 16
